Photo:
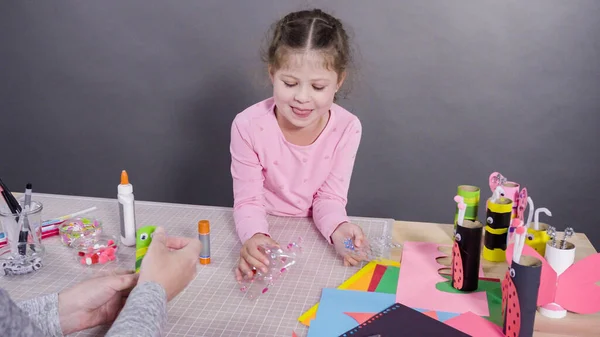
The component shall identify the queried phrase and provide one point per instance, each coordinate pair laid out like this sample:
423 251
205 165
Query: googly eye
512 272
490 220
144 236
530 237
457 237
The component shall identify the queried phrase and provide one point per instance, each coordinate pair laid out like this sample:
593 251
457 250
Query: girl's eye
318 88
289 85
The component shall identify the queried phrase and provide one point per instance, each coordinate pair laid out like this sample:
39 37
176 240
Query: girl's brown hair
309 30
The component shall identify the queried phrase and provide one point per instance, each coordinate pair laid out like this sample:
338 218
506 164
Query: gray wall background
447 91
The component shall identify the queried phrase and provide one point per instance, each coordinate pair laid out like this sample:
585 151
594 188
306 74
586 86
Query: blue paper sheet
331 320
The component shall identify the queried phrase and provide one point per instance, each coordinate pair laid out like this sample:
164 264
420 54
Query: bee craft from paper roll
498 218
143 238
470 195
466 253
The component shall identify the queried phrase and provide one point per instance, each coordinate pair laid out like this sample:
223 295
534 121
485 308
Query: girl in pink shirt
293 154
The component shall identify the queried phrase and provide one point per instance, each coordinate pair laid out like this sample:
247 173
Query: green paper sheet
389 282
493 291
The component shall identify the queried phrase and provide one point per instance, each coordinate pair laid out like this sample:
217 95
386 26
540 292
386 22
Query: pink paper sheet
474 325
418 277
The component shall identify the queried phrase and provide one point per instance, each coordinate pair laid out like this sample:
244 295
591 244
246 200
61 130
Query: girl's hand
251 256
348 231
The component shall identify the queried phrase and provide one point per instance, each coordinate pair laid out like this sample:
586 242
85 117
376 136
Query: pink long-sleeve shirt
273 176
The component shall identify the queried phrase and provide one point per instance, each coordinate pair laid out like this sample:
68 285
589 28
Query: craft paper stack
417 285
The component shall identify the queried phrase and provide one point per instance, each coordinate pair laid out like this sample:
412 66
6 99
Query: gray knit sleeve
43 311
35 317
144 313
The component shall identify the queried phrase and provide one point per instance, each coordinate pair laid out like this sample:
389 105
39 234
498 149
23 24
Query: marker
27 205
204 237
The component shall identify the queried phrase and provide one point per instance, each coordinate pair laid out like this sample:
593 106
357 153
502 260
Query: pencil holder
466 256
559 259
519 297
538 239
21 251
470 196
498 217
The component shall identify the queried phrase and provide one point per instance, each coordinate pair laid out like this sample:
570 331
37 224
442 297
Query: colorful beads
76 228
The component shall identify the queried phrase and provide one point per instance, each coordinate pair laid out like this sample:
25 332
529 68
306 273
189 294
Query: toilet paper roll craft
575 289
470 197
143 238
510 190
519 295
537 237
498 219
466 255
560 259
496 179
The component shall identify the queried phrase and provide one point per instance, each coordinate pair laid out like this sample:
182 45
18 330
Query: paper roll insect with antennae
510 188
574 289
498 219
520 290
466 255
537 237
560 258
470 197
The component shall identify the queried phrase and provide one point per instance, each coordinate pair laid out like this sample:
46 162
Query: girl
293 154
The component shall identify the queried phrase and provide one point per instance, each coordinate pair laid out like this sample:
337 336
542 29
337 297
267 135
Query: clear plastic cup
21 249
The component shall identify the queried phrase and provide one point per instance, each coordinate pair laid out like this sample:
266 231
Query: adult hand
351 231
95 301
170 262
251 256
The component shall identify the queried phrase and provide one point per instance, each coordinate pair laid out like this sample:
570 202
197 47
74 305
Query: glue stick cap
203 227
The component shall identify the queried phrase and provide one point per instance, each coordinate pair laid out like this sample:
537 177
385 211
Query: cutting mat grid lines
212 305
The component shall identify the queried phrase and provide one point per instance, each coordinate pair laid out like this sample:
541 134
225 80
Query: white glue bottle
126 210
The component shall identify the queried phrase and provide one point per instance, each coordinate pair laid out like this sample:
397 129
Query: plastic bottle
126 210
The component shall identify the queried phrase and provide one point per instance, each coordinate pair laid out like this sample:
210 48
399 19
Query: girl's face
303 89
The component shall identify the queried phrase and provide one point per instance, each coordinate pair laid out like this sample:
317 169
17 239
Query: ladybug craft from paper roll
457 267
511 309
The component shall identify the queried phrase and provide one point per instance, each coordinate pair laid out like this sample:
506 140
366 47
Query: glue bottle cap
203 227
